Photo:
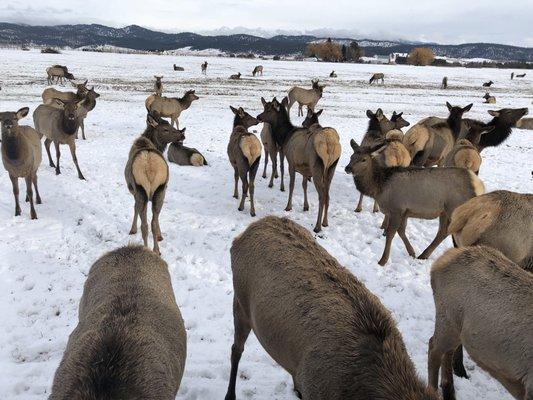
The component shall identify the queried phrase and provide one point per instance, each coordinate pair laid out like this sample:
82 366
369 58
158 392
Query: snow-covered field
43 263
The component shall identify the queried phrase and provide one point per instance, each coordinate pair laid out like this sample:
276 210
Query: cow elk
158 86
305 97
377 77
88 104
50 94
183 155
130 342
489 99
170 107
59 72
444 84
235 76
258 70
488 84
204 68
315 319
332 74
177 68
525 123
21 156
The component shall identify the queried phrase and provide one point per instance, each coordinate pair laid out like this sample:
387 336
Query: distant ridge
138 38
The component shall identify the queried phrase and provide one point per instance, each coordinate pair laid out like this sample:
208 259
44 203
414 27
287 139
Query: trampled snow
44 263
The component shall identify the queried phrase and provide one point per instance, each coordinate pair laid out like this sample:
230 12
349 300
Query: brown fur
483 301
499 219
130 341
197 160
170 107
250 147
305 97
315 319
271 151
525 123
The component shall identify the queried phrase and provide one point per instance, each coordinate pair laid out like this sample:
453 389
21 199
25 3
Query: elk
204 68
444 84
488 84
60 72
313 152
398 121
525 123
177 68
50 94
305 97
21 156
146 175
170 107
376 77
464 155
258 70
412 192
520 75
499 219
315 319
332 74
130 341
430 140
183 155
59 125
489 99
158 86
244 153
483 302
235 76
88 104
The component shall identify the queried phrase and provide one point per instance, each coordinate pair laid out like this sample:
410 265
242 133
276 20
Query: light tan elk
158 86
483 301
377 77
183 155
170 107
244 153
430 140
88 104
146 175
489 99
315 319
305 97
258 70
499 219
60 72
130 341
50 94
525 123
412 192
313 152
21 155
59 126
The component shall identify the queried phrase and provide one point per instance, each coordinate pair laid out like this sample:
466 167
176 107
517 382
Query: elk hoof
358 209
133 232
306 208
325 223
423 256
17 213
288 208
264 176
33 216
240 208
58 171
81 177
382 262
270 185
317 229
252 213
159 238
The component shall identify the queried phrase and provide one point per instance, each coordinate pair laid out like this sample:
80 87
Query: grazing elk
244 153
146 175
444 84
258 70
483 302
158 86
520 75
170 107
21 155
177 68
430 140
315 319
488 84
377 77
313 152
525 123
235 76
88 104
489 99
50 94
204 68
305 97
183 155
332 74
130 341
60 72
412 192
59 126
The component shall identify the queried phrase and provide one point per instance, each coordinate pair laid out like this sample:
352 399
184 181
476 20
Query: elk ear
494 113
379 114
150 120
400 114
183 130
241 112
354 145
22 112
449 106
318 113
85 83
394 113
263 101
468 107
235 111
369 114
285 102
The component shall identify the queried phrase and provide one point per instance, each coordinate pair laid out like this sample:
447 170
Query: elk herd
312 315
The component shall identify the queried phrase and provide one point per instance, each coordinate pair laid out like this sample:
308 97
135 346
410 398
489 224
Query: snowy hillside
44 263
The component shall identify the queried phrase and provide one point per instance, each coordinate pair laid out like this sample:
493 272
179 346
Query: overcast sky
444 21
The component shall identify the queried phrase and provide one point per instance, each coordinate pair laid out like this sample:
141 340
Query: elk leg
282 169
133 229
58 154
441 235
252 173
329 178
385 223
15 184
292 178
157 204
236 176
72 146
403 236
38 196
395 220
47 143
359 207
29 195
273 157
245 185
458 366
266 162
375 209
140 205
320 188
82 126
448 391
304 186
242 330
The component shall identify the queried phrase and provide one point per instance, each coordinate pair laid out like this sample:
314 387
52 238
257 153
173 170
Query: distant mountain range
138 38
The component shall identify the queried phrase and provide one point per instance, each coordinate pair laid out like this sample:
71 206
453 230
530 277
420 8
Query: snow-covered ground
43 263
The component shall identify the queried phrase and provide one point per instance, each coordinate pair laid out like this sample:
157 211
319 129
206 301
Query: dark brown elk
204 68
488 84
